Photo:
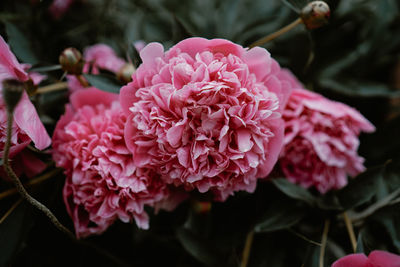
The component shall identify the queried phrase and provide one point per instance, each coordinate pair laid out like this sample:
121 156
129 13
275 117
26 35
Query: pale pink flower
206 114
139 45
321 139
99 56
27 126
103 184
376 258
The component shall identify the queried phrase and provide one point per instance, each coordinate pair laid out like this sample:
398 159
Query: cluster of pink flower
207 115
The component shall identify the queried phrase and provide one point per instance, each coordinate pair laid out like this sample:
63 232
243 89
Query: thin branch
13 207
21 189
323 242
247 249
52 88
82 81
276 34
359 216
304 237
350 230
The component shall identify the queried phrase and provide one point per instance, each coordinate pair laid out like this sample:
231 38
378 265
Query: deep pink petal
353 260
27 119
379 258
92 96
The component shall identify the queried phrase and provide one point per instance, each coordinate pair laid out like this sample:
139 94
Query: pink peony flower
103 184
206 114
376 258
27 126
97 57
321 139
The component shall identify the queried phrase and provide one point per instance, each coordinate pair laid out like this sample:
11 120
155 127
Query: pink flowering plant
199 133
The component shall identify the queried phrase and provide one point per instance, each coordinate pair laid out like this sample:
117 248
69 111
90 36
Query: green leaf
46 68
329 201
293 191
360 189
280 217
357 87
12 232
104 82
19 44
196 246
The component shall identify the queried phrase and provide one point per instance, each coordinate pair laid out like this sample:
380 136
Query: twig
52 87
350 230
34 181
358 216
323 242
13 207
21 189
83 82
304 237
277 33
247 249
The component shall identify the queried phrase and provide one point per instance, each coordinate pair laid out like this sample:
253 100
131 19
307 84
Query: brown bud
125 73
315 14
71 61
202 207
12 92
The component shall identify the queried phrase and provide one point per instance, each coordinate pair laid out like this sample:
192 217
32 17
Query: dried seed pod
12 92
125 73
315 14
71 61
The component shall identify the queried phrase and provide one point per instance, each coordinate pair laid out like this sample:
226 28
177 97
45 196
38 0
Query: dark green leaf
360 189
280 216
358 88
20 44
12 232
329 201
104 82
293 190
197 247
46 68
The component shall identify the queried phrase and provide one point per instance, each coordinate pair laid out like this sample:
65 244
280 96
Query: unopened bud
30 87
125 73
315 14
12 92
201 207
71 61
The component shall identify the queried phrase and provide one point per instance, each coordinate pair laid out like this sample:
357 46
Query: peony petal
150 52
353 260
382 258
244 140
92 97
27 119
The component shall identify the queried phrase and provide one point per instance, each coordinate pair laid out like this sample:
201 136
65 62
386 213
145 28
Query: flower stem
13 207
83 82
350 230
52 87
21 189
323 242
276 34
247 249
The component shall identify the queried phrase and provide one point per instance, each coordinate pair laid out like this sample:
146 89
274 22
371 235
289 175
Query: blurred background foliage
354 59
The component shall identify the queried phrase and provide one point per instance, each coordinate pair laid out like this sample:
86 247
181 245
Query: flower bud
315 14
201 207
125 73
12 92
30 87
71 61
